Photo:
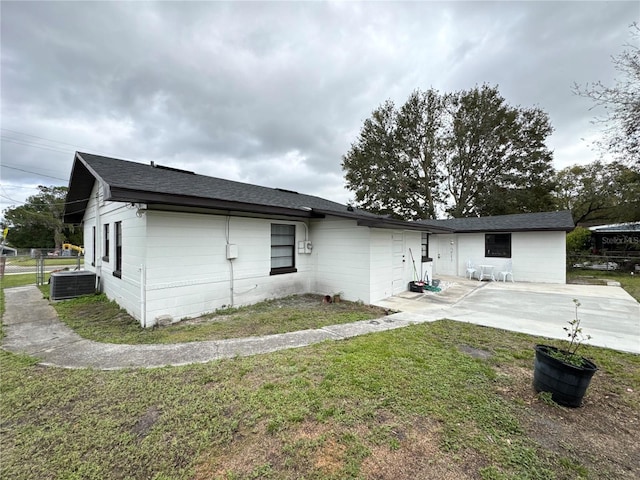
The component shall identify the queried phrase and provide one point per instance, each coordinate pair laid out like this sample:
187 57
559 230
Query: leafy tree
468 153
38 223
622 101
600 193
579 241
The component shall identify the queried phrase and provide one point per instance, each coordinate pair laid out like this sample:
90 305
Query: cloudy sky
275 93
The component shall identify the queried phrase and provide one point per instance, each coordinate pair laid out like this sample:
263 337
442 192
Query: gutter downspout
227 234
98 246
143 296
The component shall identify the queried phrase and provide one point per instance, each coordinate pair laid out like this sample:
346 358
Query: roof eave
120 194
81 180
398 224
515 230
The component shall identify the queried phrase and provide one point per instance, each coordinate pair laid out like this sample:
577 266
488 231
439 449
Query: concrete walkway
609 314
32 327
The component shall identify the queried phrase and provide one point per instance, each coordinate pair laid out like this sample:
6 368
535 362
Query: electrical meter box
232 251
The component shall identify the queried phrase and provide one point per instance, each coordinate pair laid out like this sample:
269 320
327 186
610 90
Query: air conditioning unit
64 285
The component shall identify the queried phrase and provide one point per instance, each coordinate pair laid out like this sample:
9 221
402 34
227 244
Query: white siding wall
188 273
536 256
341 258
174 264
541 257
126 289
381 259
358 261
471 247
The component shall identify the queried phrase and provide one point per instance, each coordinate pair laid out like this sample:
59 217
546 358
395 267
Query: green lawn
31 262
437 400
20 280
404 404
96 318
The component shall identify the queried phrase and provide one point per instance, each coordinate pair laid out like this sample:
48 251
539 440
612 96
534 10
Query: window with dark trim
283 240
105 243
497 245
93 252
118 251
425 247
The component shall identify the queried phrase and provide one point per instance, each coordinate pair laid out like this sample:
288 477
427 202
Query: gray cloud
274 93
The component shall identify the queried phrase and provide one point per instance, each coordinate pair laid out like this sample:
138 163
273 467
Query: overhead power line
44 146
33 173
50 148
40 138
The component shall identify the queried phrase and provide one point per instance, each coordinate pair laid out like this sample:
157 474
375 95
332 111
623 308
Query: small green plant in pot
564 373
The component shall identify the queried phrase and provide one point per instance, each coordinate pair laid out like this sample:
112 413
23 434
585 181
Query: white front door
447 257
398 283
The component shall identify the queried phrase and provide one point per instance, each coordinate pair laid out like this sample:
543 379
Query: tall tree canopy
622 102
600 193
38 223
468 153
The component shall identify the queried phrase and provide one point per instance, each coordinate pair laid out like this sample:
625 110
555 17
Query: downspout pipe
98 246
143 296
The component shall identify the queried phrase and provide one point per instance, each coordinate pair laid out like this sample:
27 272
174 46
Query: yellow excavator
67 247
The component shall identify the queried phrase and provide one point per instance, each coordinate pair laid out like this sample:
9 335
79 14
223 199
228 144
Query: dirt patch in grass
289 309
146 422
601 436
385 450
417 454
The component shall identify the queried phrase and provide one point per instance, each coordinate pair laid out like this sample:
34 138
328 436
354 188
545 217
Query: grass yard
20 280
442 400
96 318
31 262
439 400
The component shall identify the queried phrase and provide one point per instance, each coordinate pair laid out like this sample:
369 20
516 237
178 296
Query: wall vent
64 285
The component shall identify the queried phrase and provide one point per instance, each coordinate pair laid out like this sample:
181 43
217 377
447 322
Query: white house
169 243
532 244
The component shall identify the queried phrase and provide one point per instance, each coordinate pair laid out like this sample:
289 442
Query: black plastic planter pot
416 287
566 383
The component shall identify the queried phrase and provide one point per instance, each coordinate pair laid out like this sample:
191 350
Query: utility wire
40 204
50 148
31 143
18 186
41 138
34 173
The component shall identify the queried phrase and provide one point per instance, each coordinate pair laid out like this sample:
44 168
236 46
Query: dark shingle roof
521 222
127 181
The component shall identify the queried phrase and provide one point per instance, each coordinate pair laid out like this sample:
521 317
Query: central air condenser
64 285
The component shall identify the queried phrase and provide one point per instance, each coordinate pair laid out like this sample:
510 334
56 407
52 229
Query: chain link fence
619 261
38 263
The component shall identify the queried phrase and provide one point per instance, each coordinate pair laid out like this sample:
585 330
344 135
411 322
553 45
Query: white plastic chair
506 271
471 270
